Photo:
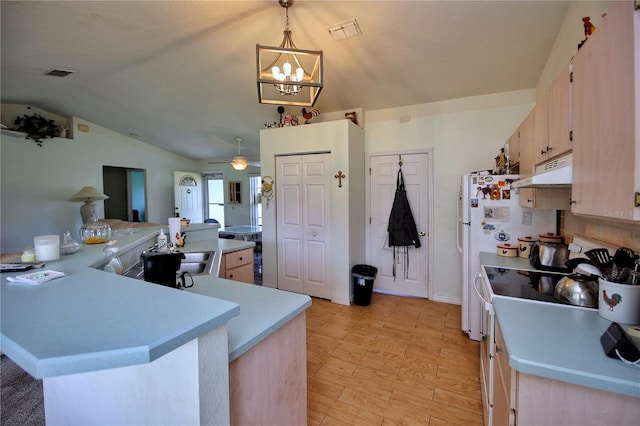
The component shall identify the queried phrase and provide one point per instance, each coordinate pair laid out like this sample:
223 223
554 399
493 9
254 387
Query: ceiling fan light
239 163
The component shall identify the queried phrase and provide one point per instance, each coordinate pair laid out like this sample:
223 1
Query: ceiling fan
238 162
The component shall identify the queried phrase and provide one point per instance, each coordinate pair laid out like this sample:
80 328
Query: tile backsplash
621 234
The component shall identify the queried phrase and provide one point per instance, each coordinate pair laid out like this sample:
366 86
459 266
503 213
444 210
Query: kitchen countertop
92 320
558 342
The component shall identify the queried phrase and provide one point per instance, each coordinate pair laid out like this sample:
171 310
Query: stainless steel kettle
578 290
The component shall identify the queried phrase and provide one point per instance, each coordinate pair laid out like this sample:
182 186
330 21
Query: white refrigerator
489 214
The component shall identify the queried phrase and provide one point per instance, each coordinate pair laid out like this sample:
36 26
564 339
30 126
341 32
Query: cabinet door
526 146
526 159
559 115
605 169
541 130
504 385
514 153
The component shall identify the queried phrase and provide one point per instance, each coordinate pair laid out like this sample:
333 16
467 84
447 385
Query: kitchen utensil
624 257
578 290
600 257
549 257
623 261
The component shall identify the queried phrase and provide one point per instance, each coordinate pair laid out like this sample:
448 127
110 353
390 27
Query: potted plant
37 127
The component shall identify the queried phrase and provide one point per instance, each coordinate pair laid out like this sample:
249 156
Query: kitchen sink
195 263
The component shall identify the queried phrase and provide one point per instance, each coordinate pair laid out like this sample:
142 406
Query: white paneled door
411 280
188 195
303 224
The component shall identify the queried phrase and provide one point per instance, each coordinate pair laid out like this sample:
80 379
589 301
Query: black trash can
363 276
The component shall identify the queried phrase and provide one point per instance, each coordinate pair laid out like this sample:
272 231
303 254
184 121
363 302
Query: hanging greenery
37 127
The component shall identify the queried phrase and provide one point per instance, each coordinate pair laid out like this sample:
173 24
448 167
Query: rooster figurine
308 115
611 301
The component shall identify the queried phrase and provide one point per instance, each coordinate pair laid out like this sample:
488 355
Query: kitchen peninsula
119 350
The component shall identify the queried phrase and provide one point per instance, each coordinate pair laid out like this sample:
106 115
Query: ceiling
181 74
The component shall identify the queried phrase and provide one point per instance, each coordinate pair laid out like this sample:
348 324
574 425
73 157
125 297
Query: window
214 194
255 199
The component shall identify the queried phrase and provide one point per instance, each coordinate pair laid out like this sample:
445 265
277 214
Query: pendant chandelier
288 75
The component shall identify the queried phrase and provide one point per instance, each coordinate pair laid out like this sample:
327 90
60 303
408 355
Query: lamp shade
88 193
238 162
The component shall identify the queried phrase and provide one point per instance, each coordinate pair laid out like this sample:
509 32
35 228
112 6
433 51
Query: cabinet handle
542 152
498 349
230 275
240 257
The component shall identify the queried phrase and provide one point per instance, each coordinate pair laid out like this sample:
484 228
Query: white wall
466 135
37 182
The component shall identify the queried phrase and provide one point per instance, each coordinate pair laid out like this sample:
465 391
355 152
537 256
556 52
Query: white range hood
556 173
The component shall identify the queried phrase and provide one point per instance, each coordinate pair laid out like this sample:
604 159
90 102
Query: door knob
315 234
422 233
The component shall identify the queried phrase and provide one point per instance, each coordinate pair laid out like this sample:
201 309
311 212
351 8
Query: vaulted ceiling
182 74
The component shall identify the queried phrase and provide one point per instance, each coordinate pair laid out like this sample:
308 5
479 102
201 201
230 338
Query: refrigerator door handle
459 220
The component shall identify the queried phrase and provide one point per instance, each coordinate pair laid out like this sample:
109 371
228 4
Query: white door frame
429 242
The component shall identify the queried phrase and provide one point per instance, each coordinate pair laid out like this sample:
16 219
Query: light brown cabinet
525 399
606 123
237 266
552 132
559 140
536 198
503 384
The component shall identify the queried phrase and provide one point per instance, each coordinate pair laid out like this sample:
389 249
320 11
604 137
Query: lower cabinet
237 266
504 384
524 399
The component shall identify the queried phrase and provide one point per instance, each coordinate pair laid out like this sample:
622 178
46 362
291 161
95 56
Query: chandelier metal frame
289 89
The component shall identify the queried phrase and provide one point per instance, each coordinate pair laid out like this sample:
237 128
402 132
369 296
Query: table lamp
88 194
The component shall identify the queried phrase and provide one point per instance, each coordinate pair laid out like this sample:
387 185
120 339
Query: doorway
412 278
188 196
126 188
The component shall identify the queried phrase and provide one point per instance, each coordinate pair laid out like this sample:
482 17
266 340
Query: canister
550 238
507 250
524 246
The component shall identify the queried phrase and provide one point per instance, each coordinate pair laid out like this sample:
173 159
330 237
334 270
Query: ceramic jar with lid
507 250
524 246
550 238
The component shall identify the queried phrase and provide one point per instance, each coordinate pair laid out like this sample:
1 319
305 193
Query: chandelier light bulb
299 74
275 71
287 69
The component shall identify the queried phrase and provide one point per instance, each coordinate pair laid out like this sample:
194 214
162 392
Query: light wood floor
397 361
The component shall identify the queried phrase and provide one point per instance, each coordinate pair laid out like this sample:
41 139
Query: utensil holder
619 302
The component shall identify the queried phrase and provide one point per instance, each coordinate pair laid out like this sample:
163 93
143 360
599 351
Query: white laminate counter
558 342
92 320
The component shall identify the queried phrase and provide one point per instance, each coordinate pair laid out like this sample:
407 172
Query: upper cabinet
605 118
552 133
559 128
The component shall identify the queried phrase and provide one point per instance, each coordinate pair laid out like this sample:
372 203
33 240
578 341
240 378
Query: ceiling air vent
346 29
58 72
